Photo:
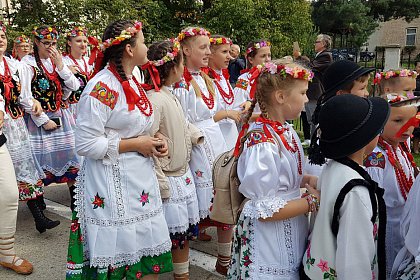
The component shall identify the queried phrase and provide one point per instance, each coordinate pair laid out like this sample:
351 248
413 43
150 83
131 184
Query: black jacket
318 66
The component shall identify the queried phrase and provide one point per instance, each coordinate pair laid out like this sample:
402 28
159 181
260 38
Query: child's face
197 52
294 100
220 57
263 55
402 85
398 117
360 88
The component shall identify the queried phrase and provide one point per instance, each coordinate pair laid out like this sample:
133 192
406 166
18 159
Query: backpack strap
342 195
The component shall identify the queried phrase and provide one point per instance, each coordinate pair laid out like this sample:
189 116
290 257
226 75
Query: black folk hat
341 73
347 123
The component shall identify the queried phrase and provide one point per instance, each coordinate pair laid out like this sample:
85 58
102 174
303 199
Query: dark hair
253 53
415 62
114 53
156 52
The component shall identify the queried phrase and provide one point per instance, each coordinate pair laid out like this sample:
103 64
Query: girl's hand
56 57
163 149
245 106
234 115
36 108
147 146
313 191
50 125
73 69
310 180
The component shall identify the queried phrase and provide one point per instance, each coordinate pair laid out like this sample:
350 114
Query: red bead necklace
143 104
227 97
404 182
209 101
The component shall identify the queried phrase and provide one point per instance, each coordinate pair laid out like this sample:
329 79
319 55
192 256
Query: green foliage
280 21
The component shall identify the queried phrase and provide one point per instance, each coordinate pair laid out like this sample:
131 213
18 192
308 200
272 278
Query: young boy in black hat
347 240
342 77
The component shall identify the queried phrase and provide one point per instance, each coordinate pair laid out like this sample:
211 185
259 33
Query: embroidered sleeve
375 159
262 177
181 84
105 95
242 84
258 137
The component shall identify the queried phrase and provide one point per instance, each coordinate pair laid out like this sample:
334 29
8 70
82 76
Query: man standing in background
236 65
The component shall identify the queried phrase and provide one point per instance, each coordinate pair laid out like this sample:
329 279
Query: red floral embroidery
323 265
74 226
199 173
98 201
138 275
144 198
105 95
188 180
258 137
242 84
156 268
375 160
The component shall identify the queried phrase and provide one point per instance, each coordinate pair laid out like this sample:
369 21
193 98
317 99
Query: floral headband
77 31
49 33
282 70
169 56
22 39
220 41
402 99
392 74
125 34
257 46
191 32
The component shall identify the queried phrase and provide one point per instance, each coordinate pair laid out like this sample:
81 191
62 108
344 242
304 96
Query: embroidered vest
45 91
12 105
75 95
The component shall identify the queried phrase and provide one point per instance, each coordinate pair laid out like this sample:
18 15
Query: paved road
48 251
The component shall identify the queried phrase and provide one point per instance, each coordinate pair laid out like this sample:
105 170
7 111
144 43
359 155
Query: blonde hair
209 82
384 83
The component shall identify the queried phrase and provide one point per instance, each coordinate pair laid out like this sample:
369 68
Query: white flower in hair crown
169 56
284 70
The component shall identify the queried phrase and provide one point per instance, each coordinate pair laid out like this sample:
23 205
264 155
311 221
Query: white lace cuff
112 153
263 207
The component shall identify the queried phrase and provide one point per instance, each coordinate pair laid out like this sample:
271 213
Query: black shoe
72 199
41 202
42 223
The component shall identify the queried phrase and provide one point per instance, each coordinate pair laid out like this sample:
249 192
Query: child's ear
187 50
279 97
129 50
340 92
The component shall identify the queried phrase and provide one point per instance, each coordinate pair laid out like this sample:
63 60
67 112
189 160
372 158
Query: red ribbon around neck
211 73
96 55
7 81
255 72
414 121
130 94
187 75
154 74
237 151
225 73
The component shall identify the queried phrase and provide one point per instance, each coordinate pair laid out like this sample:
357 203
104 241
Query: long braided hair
114 53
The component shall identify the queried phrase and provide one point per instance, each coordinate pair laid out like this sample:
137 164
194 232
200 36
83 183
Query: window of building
411 36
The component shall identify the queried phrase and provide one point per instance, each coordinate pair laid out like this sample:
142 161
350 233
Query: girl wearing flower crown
271 232
122 231
257 52
176 182
228 115
198 99
391 164
21 47
15 87
51 134
76 60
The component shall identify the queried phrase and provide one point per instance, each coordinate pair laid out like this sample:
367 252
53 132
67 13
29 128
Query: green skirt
79 268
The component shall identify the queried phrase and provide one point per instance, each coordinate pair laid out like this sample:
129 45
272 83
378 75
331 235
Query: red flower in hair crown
22 39
257 46
392 74
77 31
220 41
49 33
191 32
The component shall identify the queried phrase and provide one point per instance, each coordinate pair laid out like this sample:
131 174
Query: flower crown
257 46
169 56
49 33
283 70
77 31
22 39
394 97
392 74
125 34
220 41
191 32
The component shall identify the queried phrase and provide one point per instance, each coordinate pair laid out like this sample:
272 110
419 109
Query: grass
417 159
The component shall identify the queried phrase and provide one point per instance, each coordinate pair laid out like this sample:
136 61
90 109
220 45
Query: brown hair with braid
156 52
114 53
189 41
